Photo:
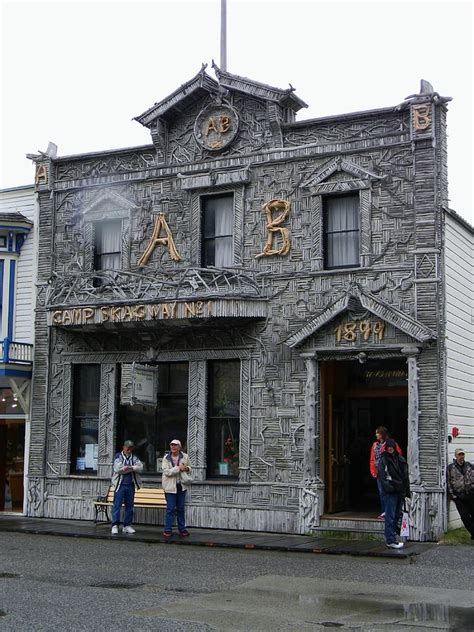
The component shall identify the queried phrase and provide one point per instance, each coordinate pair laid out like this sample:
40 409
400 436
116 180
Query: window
223 419
108 245
341 231
217 230
2 269
152 428
85 423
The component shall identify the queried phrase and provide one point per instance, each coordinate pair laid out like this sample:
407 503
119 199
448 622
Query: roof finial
224 35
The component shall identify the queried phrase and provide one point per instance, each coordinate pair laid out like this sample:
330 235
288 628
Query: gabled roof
383 310
202 84
108 195
339 164
261 90
191 91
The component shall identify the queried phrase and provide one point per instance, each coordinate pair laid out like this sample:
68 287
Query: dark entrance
355 399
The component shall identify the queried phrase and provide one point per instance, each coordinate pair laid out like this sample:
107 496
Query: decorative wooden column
310 416
413 453
107 425
197 418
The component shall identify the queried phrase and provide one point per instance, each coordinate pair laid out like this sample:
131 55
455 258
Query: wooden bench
145 498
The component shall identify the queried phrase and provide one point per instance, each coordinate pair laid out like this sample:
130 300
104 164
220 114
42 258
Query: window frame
325 240
215 238
99 225
195 197
73 450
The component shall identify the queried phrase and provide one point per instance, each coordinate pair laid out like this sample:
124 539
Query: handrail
12 351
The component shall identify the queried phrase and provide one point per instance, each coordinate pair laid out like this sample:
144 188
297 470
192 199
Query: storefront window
152 428
223 419
85 425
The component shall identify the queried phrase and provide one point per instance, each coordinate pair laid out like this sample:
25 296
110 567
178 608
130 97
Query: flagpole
223 35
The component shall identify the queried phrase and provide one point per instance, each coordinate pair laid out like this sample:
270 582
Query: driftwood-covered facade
285 276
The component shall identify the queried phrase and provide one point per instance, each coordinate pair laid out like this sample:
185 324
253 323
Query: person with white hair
125 479
175 480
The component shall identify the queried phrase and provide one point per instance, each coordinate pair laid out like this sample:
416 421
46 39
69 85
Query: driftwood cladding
279 307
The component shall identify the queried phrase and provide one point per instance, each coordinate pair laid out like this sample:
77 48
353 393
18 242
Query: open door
337 462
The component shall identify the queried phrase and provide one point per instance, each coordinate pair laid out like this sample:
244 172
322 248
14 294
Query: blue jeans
393 512
125 494
175 502
381 494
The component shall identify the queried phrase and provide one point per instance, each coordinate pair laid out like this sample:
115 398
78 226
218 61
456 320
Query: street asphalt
54 583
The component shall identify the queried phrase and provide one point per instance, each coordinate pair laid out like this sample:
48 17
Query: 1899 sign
362 329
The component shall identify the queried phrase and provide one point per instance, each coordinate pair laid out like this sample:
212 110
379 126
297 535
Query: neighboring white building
459 271
18 213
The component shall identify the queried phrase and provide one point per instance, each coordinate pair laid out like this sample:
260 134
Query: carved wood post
65 422
197 418
311 394
244 452
413 456
107 423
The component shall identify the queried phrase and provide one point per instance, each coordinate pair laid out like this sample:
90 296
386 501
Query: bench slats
145 498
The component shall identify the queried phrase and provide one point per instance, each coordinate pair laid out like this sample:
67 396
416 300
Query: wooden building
266 290
17 256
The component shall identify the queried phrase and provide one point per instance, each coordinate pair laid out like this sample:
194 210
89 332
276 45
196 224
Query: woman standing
176 473
378 446
393 475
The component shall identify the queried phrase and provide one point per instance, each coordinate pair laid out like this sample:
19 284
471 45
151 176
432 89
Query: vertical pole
311 394
224 35
413 455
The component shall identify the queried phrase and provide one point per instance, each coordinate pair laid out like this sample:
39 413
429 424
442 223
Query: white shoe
115 530
131 530
395 545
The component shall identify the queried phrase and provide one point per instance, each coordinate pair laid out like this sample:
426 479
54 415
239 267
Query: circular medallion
216 126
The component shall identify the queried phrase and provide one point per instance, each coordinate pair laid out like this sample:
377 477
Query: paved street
56 583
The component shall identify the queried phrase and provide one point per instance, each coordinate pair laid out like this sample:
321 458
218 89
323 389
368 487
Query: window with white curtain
108 245
341 231
217 230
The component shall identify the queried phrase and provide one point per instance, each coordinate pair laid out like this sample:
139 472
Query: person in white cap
176 477
461 488
125 479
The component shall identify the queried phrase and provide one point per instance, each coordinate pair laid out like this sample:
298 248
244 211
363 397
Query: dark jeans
465 507
393 513
175 502
381 494
125 494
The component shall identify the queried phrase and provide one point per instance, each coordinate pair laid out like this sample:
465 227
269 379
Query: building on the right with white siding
459 340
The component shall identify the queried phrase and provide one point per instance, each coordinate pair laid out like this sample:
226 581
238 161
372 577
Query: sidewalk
214 537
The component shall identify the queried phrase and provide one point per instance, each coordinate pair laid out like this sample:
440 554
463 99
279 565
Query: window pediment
107 205
339 175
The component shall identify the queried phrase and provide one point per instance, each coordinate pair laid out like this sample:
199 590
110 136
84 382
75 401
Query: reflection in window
217 231
152 428
85 424
223 418
341 231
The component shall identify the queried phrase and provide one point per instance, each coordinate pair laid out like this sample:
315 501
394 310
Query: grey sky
76 73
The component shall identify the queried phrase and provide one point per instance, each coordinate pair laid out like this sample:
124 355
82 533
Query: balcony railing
16 352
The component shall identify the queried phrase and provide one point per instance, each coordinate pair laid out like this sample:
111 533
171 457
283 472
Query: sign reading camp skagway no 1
74 316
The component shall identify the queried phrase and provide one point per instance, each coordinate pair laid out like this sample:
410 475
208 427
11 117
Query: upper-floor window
341 231
217 230
108 245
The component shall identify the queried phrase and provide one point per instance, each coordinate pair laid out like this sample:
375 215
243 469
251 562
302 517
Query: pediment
354 300
337 172
108 202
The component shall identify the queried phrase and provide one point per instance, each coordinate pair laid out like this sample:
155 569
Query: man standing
461 488
393 474
126 477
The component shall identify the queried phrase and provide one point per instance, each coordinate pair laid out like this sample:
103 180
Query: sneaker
115 530
129 530
184 534
395 545
167 534
381 517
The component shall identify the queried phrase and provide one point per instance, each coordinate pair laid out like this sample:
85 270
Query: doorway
355 399
12 458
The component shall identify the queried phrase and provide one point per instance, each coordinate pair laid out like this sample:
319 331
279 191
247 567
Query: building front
17 256
268 291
